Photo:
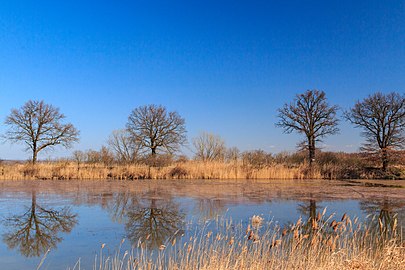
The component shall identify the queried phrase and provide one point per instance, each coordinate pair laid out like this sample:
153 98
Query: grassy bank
183 170
190 170
319 243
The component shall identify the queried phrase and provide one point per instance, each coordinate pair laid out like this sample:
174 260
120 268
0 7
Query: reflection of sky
96 227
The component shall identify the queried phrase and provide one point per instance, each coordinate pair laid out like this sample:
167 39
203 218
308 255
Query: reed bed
183 170
190 169
319 243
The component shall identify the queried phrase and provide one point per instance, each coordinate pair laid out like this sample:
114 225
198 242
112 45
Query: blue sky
225 66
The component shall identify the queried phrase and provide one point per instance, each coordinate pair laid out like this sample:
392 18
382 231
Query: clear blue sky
225 66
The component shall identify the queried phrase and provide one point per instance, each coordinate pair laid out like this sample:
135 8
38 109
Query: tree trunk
384 159
34 151
311 149
34 157
153 151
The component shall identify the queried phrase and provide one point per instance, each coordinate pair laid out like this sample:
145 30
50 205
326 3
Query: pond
69 221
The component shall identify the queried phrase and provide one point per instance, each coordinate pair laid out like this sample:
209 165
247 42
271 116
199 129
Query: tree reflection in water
151 219
386 215
36 230
311 217
209 208
308 208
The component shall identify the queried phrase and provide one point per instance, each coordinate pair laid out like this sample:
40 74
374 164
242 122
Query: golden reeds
184 170
297 246
190 169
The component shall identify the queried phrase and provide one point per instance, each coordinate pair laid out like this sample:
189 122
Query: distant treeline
153 136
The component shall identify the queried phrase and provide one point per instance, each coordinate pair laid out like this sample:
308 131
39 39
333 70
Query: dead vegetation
321 242
255 164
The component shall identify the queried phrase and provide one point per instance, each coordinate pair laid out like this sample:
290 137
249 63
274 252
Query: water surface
72 219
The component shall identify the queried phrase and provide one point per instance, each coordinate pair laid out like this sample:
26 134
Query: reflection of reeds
332 244
184 170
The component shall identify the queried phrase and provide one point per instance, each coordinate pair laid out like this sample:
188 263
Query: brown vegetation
317 243
252 165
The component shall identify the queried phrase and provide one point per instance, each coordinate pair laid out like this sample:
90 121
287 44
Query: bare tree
311 115
92 156
382 118
257 158
79 156
153 128
39 125
232 154
209 147
125 149
106 156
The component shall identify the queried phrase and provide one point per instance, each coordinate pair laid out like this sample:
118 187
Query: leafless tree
257 158
39 125
92 156
106 156
382 118
209 147
311 115
232 154
125 149
153 128
79 156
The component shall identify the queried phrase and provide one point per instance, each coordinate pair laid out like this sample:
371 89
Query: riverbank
68 170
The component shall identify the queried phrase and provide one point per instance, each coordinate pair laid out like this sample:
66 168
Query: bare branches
311 115
209 147
382 118
124 148
38 126
153 128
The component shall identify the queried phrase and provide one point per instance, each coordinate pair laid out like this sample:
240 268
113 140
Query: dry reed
319 243
188 170
184 170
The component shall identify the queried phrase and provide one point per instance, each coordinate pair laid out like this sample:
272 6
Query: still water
71 220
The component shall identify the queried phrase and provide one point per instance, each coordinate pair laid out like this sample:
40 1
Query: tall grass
190 169
183 170
318 243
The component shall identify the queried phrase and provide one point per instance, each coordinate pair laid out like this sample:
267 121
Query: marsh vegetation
255 164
